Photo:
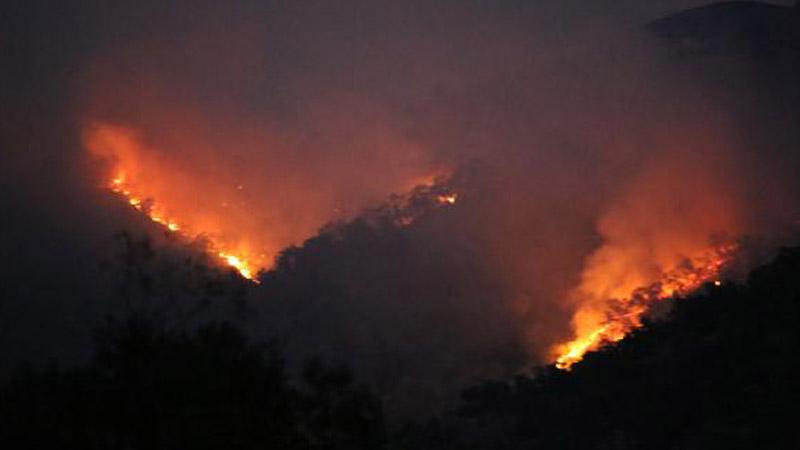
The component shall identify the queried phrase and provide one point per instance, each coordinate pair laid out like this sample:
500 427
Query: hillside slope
720 373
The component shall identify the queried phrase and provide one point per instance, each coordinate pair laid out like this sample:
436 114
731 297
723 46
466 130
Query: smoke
588 157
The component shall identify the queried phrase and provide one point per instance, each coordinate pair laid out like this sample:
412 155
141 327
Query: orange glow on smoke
245 218
157 214
663 236
153 189
607 322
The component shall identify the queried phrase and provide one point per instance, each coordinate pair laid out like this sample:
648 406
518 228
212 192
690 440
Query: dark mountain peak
733 26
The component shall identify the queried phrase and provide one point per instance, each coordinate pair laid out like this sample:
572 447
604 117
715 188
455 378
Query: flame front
237 263
157 213
609 321
143 191
663 235
245 217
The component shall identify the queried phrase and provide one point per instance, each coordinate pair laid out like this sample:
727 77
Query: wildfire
241 266
618 317
156 213
449 199
404 205
244 218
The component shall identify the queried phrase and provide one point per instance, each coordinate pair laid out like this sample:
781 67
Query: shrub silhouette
151 388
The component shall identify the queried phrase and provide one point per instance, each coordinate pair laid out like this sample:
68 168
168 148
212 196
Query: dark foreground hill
733 27
149 388
721 373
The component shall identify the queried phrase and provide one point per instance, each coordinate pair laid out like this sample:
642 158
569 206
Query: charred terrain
474 225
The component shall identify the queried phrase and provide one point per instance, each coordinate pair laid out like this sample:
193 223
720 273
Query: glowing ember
613 319
409 214
447 198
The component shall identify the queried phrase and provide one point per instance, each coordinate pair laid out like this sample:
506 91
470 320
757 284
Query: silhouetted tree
150 388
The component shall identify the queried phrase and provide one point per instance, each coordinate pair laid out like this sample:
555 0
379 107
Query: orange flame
611 320
129 180
448 198
156 213
203 198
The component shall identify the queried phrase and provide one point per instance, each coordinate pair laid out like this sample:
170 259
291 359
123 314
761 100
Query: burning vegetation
133 175
560 175
613 319
597 194
129 178
157 213
611 300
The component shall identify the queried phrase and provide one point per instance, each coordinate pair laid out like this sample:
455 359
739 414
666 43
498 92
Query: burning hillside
164 196
606 322
589 176
662 237
204 209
